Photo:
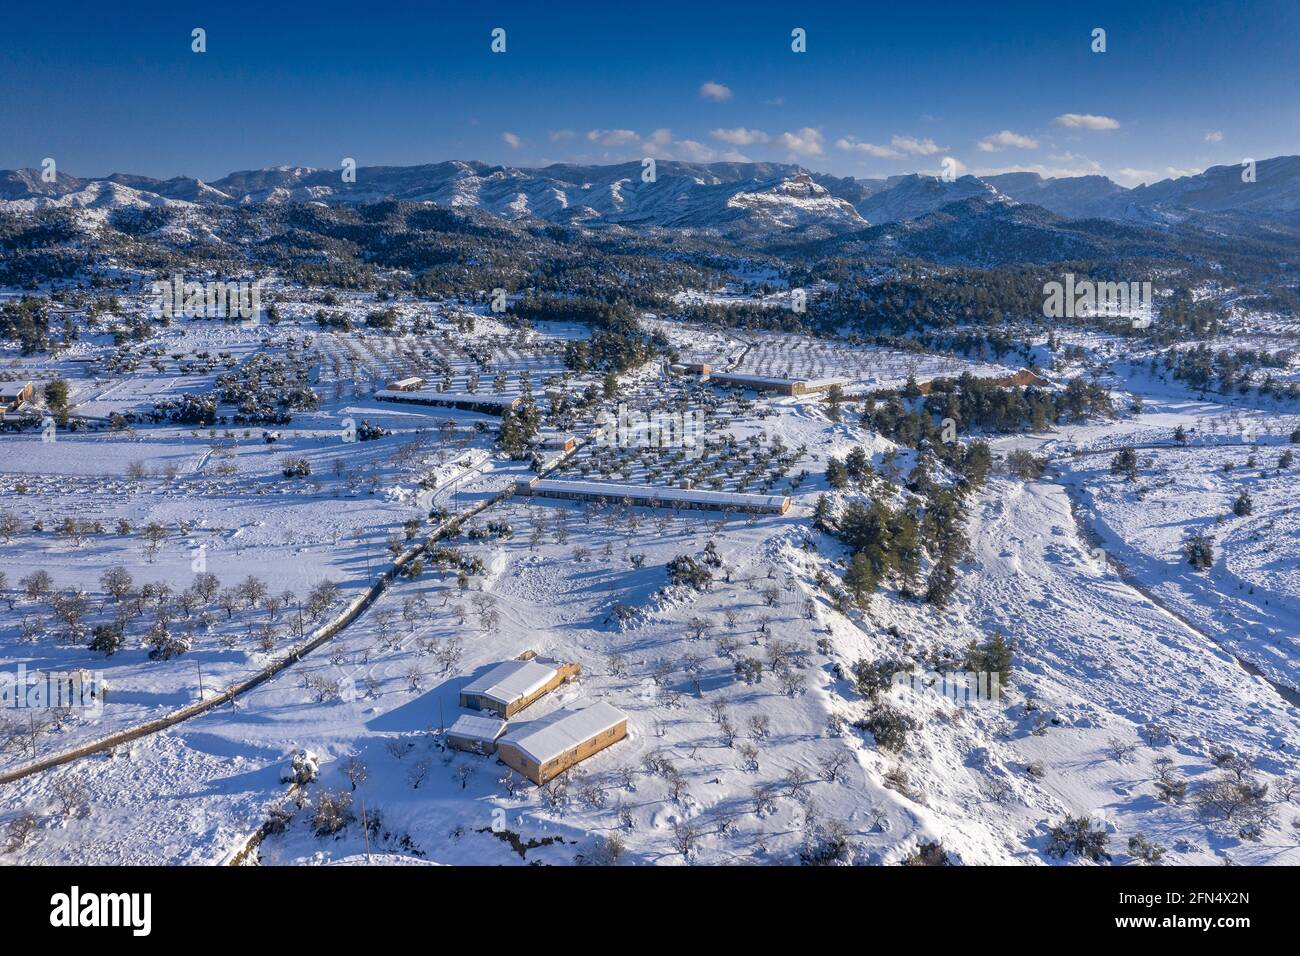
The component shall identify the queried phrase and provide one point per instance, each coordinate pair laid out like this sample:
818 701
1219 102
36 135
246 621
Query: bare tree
686 837
354 768
19 830
833 766
419 771
71 797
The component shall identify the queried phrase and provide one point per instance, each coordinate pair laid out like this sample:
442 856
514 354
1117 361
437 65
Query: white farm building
544 748
646 496
510 687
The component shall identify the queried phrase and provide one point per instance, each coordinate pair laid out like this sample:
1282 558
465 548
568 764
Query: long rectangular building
542 749
648 496
510 687
768 383
488 403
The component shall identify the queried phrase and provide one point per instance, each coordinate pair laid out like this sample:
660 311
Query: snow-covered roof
510 681
447 398
550 736
755 379
743 378
609 489
472 727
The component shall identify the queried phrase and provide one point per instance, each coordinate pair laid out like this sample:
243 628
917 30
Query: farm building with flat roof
648 496
488 404
13 394
510 687
544 748
476 734
411 384
786 386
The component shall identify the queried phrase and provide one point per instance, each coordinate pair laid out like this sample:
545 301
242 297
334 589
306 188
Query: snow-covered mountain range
731 197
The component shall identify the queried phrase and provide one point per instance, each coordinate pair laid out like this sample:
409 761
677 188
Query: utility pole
365 830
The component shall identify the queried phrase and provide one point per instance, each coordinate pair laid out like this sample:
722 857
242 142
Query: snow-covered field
1110 692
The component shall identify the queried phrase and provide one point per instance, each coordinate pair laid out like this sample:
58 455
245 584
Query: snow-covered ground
714 769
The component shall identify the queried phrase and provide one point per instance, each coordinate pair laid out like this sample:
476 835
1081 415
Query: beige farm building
510 687
542 749
476 734
649 496
486 403
14 394
783 386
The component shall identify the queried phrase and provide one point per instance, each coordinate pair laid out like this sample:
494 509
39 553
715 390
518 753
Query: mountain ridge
726 196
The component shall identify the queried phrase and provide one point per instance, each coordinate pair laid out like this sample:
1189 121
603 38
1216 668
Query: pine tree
1125 463
941 584
823 517
837 475
861 579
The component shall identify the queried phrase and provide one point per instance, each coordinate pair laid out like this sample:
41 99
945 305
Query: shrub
889 726
1199 551
1235 801
1140 848
872 677
333 811
1078 836
1125 463
684 569
107 638
1024 464
295 467
928 854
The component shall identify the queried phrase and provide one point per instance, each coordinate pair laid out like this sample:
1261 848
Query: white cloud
612 137
1214 136
804 142
1085 121
561 134
1088 167
663 146
1005 139
899 146
715 91
740 136
871 149
1173 172
511 139
692 151
916 147
1131 177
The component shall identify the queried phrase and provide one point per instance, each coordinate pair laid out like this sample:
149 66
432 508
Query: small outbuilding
412 384
14 394
476 734
544 748
558 441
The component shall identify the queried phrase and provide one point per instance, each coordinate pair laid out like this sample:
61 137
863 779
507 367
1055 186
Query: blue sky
882 88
